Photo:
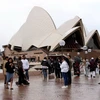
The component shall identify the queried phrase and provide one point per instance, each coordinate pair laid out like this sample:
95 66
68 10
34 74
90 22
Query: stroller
21 77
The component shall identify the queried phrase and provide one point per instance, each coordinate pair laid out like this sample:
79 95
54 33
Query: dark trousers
69 77
49 70
57 73
21 78
65 76
26 74
44 70
5 78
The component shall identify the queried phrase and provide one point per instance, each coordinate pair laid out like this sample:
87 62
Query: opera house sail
39 32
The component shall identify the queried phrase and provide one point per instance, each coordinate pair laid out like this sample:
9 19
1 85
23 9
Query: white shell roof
68 25
63 31
39 30
36 28
65 35
90 35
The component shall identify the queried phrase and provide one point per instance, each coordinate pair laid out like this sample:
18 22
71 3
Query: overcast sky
13 13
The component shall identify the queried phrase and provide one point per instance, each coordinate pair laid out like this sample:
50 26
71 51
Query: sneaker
98 83
63 87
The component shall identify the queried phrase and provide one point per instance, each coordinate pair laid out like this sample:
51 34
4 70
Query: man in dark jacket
70 67
57 68
45 66
20 71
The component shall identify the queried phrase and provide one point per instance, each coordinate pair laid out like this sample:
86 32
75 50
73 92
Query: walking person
20 72
45 66
64 69
25 64
10 70
4 69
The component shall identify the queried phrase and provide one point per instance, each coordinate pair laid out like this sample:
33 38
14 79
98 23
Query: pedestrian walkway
81 89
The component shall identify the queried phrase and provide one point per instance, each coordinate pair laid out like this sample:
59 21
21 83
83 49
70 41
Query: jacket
9 68
45 64
64 67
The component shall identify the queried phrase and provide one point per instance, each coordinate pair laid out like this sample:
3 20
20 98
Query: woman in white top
64 69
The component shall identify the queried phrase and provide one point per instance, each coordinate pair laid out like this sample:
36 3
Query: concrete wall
37 54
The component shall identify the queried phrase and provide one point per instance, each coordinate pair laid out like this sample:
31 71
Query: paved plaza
82 88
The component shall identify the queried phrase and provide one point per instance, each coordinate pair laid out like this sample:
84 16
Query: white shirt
64 67
25 63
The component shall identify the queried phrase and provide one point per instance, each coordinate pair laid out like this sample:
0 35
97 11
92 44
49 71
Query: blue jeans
65 76
26 74
44 73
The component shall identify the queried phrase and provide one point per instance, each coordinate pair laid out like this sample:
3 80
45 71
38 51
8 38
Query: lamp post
62 43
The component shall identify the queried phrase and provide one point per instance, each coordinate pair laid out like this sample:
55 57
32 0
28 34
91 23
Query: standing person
64 69
57 68
76 65
87 67
4 69
25 66
20 71
59 61
45 66
92 67
70 67
98 64
10 70
50 67
84 66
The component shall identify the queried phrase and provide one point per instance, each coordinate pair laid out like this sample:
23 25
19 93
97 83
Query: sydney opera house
39 37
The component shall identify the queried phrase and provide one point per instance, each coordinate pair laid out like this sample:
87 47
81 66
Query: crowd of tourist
63 66
60 66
